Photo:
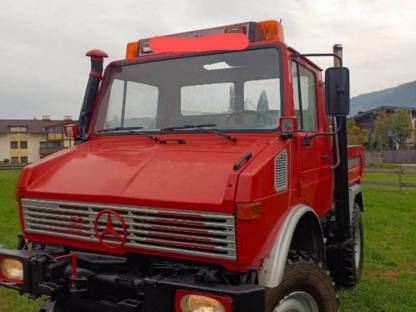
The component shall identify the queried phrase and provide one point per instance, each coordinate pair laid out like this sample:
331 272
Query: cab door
313 159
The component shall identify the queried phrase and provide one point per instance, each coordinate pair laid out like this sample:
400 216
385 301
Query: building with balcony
28 140
365 120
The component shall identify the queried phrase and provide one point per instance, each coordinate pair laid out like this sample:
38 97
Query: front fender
272 271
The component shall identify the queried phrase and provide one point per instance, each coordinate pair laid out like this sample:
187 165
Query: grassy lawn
10 301
389 282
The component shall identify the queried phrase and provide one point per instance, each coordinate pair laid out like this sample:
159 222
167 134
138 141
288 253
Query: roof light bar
260 31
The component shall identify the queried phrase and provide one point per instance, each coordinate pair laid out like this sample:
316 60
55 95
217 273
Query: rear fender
355 196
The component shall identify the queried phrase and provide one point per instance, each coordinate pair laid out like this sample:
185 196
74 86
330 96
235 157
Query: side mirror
337 91
288 126
71 130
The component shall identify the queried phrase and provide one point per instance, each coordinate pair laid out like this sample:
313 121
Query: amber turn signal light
132 50
269 30
248 211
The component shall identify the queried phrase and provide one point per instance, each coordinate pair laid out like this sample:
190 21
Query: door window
304 95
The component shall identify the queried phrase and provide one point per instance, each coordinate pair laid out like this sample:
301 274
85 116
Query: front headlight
197 303
11 269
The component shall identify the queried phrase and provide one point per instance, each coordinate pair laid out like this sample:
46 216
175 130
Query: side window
304 94
295 89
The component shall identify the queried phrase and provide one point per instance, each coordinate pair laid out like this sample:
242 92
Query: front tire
306 287
55 306
51 307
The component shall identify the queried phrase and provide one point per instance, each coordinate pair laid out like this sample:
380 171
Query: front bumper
96 285
244 298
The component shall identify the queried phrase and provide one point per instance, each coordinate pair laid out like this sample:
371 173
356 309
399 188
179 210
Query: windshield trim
162 57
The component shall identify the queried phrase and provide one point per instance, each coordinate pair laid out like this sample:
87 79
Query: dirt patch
389 274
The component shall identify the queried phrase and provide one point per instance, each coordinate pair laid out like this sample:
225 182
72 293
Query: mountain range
403 95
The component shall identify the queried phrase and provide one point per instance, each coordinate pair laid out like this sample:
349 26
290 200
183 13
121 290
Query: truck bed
355 163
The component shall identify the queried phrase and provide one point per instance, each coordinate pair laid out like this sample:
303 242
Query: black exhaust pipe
97 60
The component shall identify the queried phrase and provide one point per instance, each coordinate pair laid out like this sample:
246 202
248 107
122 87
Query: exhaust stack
337 49
97 60
341 194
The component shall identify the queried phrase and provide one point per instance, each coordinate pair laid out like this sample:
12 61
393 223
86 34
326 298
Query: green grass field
389 282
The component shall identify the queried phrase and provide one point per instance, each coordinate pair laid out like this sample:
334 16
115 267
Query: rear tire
348 270
306 287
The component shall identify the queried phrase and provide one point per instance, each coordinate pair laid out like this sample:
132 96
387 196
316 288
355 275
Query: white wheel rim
297 302
357 245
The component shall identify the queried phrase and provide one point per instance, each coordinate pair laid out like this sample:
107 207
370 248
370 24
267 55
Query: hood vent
281 171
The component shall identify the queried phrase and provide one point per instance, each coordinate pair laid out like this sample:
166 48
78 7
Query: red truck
211 174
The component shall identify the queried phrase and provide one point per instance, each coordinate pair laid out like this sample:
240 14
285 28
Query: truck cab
203 179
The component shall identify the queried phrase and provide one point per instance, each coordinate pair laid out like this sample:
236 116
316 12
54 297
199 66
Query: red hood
196 175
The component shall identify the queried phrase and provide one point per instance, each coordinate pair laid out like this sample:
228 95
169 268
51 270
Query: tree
382 129
401 126
356 135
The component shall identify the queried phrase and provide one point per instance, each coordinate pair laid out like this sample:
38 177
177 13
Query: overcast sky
43 42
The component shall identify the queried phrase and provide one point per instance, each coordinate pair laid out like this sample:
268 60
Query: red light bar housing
255 31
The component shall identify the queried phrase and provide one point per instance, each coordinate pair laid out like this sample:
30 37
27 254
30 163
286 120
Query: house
365 120
28 140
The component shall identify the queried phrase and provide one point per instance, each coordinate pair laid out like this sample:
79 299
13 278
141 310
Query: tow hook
77 284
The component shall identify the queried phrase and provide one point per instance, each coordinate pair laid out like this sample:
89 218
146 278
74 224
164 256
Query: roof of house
33 125
366 114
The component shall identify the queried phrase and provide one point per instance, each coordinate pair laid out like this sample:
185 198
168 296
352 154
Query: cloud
42 46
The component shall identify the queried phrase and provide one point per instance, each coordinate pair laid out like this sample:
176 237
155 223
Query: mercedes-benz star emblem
110 229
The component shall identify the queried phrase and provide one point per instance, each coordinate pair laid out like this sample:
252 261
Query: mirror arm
286 136
308 138
324 55
336 142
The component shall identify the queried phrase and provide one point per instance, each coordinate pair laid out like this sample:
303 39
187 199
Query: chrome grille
181 231
280 171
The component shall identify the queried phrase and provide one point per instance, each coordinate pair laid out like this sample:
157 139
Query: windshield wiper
188 127
131 130
120 129
203 128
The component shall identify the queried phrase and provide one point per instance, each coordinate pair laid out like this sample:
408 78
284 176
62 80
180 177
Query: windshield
230 91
